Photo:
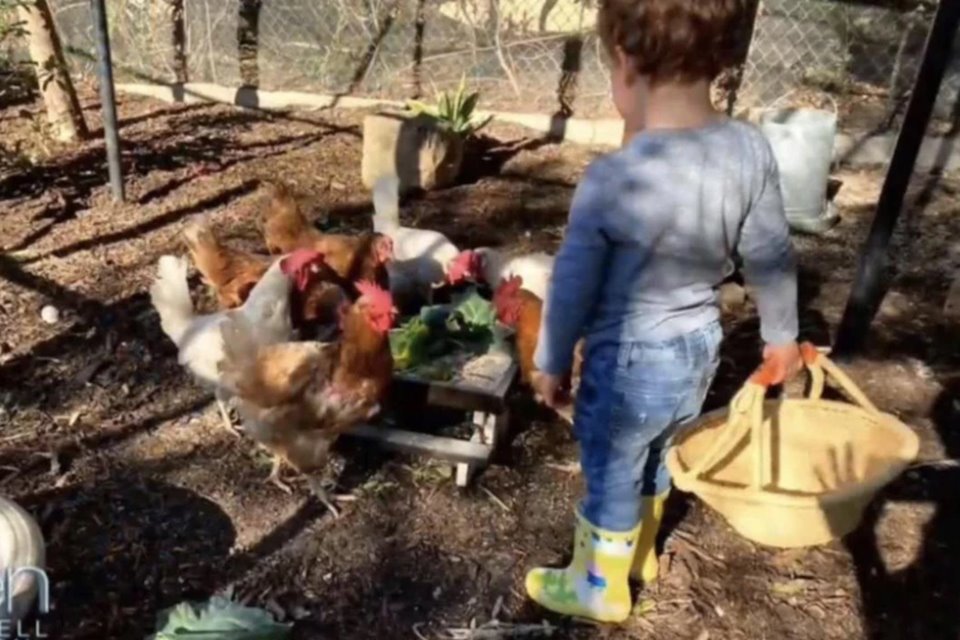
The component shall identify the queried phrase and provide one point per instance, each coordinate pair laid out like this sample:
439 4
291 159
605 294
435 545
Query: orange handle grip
767 372
809 353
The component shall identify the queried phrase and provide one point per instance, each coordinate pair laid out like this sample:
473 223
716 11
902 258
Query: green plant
409 344
453 111
218 619
468 326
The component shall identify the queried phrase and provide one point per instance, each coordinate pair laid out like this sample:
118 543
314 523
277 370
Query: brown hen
522 311
232 274
354 258
297 398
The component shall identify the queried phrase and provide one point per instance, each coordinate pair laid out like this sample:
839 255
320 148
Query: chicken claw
318 490
274 477
225 416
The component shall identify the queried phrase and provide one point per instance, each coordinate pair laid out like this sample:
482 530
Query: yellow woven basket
792 472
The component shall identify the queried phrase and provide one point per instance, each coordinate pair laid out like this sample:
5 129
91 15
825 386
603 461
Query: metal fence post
868 289
107 98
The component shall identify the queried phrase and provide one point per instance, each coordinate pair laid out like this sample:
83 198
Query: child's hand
547 387
784 360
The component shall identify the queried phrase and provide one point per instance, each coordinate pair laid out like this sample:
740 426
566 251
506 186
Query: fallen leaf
789 588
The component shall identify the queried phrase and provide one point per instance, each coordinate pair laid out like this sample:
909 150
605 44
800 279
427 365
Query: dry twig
690 544
566 467
495 630
490 494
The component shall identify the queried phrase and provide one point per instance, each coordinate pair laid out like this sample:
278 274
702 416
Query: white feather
198 337
534 268
421 256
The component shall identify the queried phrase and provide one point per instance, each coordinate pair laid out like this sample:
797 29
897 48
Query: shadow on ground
125 547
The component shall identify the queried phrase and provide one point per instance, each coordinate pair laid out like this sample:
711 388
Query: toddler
651 230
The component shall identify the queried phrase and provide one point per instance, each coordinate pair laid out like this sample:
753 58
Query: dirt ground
145 501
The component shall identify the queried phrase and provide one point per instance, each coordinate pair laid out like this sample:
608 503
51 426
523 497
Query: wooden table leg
483 433
489 429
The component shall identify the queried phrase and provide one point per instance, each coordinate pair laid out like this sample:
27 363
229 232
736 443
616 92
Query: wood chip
691 546
497 606
566 467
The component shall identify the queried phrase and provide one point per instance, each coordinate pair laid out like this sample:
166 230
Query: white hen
534 268
421 256
198 338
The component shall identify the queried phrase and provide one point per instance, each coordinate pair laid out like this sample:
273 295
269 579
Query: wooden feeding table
479 387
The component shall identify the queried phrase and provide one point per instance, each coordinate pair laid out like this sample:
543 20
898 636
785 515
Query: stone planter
416 149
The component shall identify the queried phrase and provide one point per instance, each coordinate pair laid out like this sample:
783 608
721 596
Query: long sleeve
768 259
577 275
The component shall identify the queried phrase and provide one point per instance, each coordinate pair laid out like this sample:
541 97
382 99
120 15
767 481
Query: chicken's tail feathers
277 188
205 249
170 296
281 198
210 256
198 234
281 204
386 202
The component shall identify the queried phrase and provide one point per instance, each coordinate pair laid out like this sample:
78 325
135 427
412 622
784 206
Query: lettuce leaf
468 325
218 619
409 344
475 311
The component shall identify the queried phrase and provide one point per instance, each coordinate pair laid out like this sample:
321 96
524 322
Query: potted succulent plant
422 145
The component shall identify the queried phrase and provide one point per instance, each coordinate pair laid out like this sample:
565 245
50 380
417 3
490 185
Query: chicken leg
318 490
274 477
225 414
315 484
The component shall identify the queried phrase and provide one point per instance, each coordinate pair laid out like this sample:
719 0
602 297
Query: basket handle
745 416
820 365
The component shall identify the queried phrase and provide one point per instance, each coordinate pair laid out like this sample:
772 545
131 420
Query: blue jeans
632 398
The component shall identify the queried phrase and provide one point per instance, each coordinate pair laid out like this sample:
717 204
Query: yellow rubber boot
595 585
646 565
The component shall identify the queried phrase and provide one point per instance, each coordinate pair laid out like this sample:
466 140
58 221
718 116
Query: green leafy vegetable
409 343
476 312
218 619
436 316
429 344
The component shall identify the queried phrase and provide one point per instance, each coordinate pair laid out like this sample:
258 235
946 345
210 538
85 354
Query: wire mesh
528 55
860 58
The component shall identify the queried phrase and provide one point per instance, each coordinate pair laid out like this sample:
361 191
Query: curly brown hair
676 40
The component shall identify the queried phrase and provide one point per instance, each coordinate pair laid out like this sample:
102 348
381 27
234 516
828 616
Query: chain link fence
526 55
521 54
855 57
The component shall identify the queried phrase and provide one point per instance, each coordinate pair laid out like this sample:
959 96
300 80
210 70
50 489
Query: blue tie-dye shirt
651 230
